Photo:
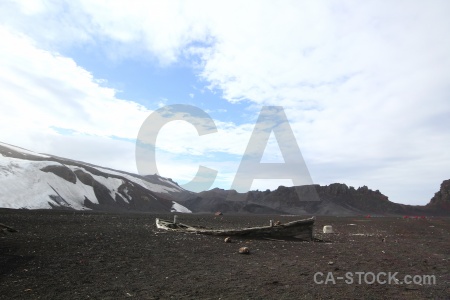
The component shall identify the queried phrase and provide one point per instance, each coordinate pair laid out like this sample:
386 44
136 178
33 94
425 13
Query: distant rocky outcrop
334 199
441 199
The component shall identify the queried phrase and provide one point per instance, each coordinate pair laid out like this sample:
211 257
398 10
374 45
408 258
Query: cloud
152 29
41 91
361 84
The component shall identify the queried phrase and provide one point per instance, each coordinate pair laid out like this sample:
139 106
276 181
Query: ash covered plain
106 255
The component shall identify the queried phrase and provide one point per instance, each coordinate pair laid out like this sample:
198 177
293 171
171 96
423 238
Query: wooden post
175 219
271 223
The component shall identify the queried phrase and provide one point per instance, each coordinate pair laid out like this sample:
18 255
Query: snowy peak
37 181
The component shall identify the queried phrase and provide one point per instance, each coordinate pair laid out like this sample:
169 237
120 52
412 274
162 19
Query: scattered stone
331 263
411 287
244 250
227 240
328 229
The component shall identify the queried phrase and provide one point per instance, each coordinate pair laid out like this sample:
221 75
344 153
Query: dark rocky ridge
61 171
441 200
334 199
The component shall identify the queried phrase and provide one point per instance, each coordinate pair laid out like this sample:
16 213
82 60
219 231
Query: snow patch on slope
148 185
123 198
176 207
128 197
111 183
24 185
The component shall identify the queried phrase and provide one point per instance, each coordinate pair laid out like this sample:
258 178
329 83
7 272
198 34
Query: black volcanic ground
94 255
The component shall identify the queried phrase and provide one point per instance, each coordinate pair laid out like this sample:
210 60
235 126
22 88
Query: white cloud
40 91
361 84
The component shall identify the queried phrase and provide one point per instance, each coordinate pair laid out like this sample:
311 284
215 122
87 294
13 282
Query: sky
364 86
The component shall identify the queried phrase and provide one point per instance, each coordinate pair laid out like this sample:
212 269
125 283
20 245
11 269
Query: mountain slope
441 199
32 180
39 181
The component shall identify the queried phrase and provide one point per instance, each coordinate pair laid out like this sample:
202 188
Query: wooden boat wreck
300 229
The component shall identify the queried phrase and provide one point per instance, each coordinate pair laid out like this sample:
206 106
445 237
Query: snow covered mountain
38 181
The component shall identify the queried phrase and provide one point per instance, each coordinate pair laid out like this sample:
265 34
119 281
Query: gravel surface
92 255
